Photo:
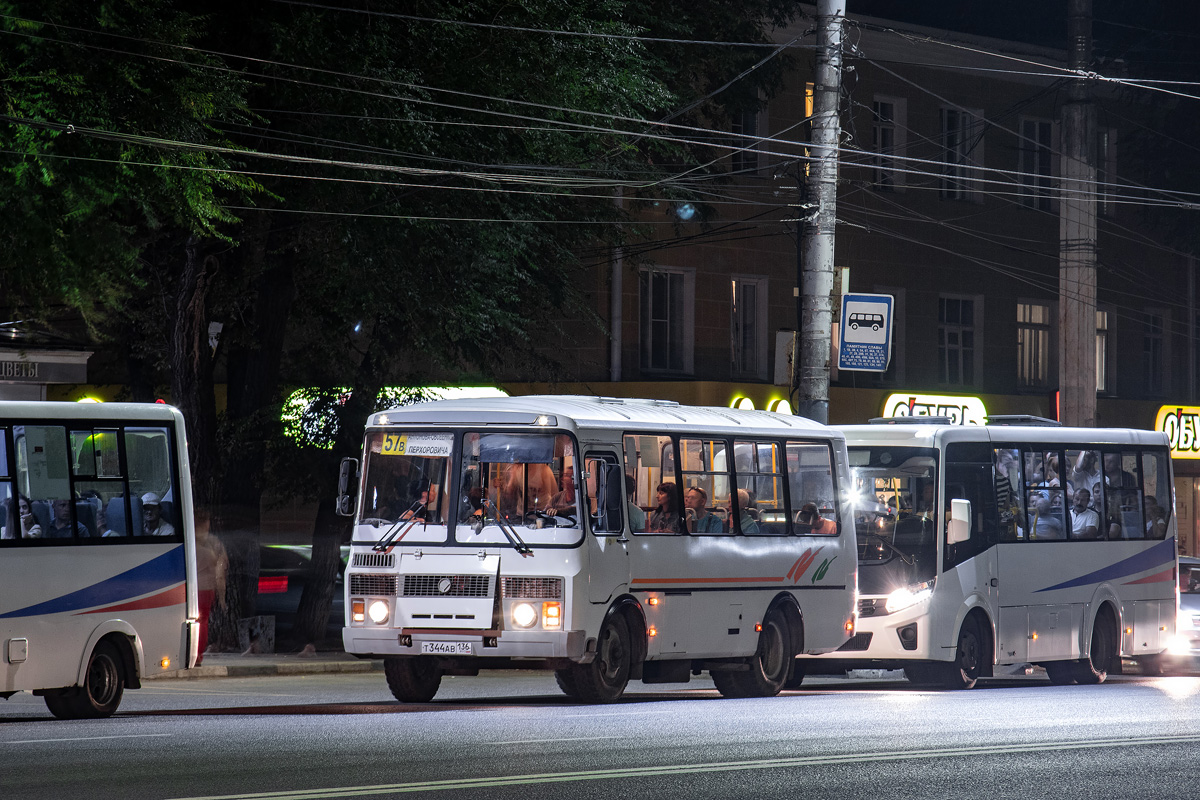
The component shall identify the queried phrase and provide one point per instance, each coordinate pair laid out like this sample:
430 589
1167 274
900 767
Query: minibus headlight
524 615
1179 646
378 611
908 596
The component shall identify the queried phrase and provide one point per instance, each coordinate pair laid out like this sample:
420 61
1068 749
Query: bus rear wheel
412 679
604 679
769 666
103 687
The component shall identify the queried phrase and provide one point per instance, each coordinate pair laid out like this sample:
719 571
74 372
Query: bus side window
1156 493
810 484
1007 498
652 459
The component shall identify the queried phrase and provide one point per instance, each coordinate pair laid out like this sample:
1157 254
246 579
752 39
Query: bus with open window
97 556
1014 543
605 539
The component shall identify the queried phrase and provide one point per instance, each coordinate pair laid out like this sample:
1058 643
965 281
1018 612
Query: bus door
607 545
970 566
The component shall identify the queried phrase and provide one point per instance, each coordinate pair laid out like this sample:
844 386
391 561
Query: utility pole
1077 233
814 326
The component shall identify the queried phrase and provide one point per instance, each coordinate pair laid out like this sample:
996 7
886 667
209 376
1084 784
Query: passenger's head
1112 462
696 498
630 484
665 495
62 510
1082 498
151 513
808 514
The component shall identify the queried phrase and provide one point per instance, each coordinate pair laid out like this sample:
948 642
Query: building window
962 152
1033 345
956 341
1101 351
1036 164
745 129
666 320
888 117
1152 352
748 327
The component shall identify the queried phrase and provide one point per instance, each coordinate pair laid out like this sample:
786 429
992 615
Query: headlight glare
378 611
524 615
908 596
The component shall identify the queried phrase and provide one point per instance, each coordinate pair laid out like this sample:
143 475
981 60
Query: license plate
448 648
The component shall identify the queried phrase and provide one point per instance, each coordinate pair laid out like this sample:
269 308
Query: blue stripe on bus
1161 553
154 575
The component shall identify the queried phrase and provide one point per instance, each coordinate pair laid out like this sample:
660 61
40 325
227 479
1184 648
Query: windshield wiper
509 531
907 559
394 533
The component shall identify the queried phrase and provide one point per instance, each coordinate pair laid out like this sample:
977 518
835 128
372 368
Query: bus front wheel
103 687
412 679
603 680
968 658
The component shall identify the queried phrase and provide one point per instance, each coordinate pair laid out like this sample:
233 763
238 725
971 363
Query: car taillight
272 585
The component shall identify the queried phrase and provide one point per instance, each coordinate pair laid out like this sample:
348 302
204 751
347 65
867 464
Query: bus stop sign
866 332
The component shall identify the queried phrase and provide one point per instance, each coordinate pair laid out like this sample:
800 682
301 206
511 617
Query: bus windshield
518 482
405 483
896 518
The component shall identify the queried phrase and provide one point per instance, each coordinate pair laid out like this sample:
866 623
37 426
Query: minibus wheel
412 679
769 666
604 680
103 687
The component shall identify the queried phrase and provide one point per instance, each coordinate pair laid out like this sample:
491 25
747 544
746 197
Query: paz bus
1012 543
97 556
605 539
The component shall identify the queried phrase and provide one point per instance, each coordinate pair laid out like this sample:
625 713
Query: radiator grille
866 608
375 560
384 585
533 588
455 586
859 641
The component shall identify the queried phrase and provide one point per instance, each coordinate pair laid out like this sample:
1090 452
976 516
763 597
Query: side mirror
347 478
959 528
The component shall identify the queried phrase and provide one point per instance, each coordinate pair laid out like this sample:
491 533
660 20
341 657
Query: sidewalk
236 665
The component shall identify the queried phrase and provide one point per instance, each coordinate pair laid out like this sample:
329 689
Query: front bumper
510 644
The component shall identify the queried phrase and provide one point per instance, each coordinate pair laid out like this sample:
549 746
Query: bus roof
599 412
917 435
49 409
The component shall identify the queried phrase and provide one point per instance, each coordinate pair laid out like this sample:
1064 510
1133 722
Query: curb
275 668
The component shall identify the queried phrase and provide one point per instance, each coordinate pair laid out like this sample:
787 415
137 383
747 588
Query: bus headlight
378 611
524 615
1179 646
908 596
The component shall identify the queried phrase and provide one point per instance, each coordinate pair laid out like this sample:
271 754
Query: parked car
1184 652
282 574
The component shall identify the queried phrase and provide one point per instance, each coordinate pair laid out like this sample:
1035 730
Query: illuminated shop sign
960 410
1181 424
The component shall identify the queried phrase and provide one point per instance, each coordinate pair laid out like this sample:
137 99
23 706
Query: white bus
97 558
1019 542
474 548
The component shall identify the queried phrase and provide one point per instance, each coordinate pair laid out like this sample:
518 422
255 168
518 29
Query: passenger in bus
152 522
1156 518
699 519
747 519
665 516
1043 522
1006 495
1115 477
1085 522
28 528
542 486
564 500
811 521
637 517
60 521
1086 472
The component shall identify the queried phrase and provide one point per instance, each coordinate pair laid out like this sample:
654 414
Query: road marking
551 741
90 738
697 769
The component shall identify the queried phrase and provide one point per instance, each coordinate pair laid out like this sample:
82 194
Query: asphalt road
510 735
